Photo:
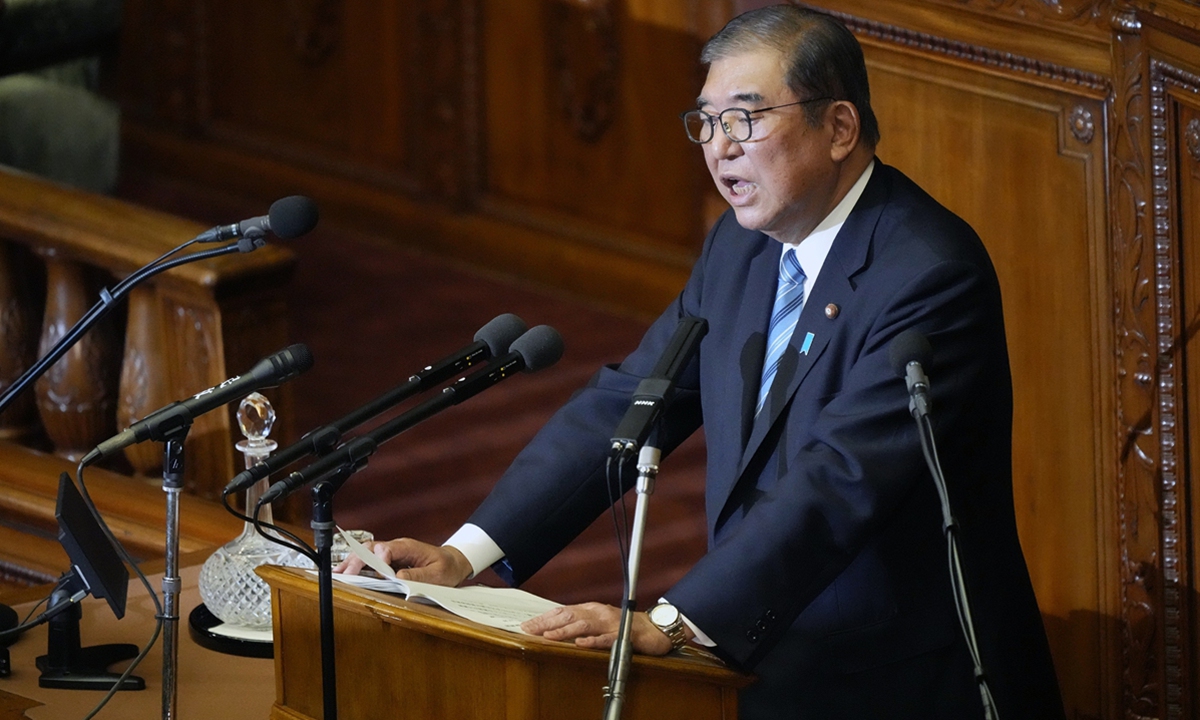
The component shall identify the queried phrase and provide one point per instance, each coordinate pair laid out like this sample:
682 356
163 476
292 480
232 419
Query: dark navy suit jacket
826 572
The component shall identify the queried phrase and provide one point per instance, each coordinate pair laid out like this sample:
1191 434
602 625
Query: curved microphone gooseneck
294 216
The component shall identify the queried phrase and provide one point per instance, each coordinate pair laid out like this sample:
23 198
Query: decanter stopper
255 418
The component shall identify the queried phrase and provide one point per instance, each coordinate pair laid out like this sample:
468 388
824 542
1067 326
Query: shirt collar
812 250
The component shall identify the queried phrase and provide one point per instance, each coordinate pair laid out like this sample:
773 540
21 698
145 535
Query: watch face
664 615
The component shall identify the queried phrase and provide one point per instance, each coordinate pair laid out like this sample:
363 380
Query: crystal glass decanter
228 585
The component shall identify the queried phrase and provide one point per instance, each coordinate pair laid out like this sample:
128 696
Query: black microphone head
909 346
292 216
291 361
500 333
540 347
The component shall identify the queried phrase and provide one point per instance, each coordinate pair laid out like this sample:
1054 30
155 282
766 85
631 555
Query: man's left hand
595 625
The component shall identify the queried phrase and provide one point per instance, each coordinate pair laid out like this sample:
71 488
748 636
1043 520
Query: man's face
782 180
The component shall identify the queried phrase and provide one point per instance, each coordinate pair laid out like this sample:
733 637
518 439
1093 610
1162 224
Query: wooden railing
178 333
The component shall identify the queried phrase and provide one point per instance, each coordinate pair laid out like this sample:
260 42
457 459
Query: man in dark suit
826 571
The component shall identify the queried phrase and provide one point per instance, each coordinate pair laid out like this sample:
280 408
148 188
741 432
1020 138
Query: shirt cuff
475 544
701 638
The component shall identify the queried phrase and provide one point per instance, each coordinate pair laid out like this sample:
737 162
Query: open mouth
737 186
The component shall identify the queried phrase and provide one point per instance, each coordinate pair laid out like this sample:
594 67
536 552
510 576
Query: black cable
270 526
621 530
962 604
158 608
28 624
33 609
302 547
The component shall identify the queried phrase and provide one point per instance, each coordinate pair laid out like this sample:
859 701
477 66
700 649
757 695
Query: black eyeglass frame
713 119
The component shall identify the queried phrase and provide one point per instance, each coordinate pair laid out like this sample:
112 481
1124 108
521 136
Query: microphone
492 340
538 348
652 392
909 353
288 217
165 422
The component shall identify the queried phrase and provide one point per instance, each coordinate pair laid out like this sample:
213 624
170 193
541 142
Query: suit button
752 636
761 626
769 615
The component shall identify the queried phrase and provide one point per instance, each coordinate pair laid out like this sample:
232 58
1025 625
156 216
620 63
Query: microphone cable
159 618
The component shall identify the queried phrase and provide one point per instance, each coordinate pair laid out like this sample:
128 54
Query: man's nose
722 146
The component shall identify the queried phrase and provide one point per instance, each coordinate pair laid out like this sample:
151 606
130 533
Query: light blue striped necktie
789 298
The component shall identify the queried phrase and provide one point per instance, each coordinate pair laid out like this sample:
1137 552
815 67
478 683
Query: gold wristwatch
666 617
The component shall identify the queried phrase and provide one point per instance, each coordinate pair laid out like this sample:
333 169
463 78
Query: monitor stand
67 665
8 621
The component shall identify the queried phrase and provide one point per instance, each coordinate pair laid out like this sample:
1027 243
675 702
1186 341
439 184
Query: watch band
672 628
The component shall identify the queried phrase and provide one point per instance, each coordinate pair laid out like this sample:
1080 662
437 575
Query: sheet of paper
504 608
372 560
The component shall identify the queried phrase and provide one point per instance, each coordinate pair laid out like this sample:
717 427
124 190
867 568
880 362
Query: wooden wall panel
540 123
999 151
579 125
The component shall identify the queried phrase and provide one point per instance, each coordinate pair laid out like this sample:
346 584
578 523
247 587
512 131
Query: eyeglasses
735 121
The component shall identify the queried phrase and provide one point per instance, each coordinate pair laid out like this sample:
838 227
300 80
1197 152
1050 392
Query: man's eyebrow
746 97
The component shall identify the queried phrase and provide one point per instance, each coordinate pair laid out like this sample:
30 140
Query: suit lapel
834 286
753 318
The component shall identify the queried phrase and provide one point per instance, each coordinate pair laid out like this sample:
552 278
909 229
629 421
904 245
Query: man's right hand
415 560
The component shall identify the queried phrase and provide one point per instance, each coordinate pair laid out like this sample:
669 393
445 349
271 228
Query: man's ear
846 129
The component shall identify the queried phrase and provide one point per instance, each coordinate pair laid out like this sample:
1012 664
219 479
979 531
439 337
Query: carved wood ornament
586 62
1192 138
1156 621
971 53
443 70
1169 386
316 28
77 396
1082 124
1080 12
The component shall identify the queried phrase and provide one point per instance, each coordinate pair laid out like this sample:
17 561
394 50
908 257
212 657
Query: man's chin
749 218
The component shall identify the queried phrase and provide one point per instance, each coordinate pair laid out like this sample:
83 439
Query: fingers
595 625
353 565
350 566
415 560
429 563
589 625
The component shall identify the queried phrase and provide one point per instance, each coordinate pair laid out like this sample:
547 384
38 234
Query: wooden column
77 397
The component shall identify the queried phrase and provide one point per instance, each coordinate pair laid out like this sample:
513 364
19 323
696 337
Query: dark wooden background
538 140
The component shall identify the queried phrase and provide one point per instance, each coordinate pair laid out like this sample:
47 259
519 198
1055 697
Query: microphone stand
323 526
172 485
620 656
950 529
324 488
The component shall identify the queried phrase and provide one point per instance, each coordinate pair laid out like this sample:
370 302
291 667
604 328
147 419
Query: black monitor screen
92 554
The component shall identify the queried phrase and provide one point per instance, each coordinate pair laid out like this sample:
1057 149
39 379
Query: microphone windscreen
293 360
540 348
909 346
292 216
500 333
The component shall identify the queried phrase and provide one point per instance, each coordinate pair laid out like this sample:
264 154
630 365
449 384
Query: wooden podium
402 659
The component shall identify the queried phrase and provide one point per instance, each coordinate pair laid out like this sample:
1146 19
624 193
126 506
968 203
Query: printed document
504 608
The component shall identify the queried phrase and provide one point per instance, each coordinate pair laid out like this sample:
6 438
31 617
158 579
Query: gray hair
823 57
